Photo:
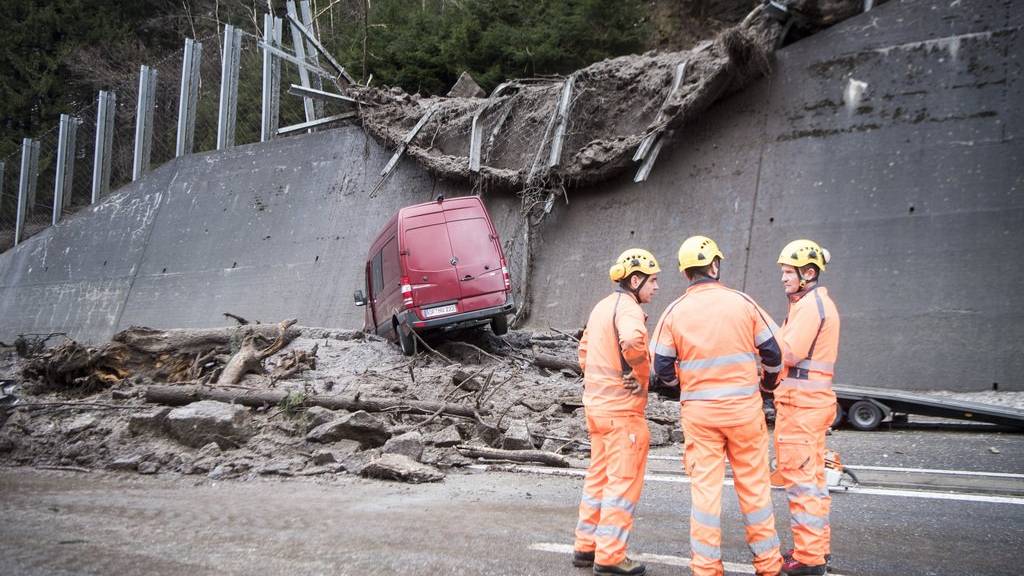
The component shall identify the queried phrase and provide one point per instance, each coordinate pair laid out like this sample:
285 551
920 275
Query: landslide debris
150 402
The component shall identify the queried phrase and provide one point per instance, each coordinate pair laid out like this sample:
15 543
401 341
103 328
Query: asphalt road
479 523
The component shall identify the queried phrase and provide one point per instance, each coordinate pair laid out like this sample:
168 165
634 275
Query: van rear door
428 258
477 259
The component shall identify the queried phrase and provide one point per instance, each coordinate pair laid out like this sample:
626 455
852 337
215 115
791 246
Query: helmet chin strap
639 287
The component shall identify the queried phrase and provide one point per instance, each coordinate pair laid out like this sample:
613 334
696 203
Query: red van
436 266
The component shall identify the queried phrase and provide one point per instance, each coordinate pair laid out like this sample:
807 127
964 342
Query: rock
676 435
446 437
361 426
993 450
123 394
321 457
199 423
536 404
466 87
469 382
279 467
221 472
444 457
550 445
317 415
409 444
211 449
125 463
356 462
490 436
152 421
80 424
148 468
517 437
659 434
401 468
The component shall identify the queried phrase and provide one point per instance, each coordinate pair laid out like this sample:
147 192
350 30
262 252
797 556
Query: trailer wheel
840 414
407 342
864 415
499 325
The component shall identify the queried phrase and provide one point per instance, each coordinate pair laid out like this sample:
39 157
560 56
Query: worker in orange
709 342
805 404
613 356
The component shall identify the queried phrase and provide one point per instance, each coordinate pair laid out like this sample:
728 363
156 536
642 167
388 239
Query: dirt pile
362 408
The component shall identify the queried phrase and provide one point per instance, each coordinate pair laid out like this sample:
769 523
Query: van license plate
439 311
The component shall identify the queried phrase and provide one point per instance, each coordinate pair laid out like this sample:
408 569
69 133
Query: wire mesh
165 113
84 151
9 199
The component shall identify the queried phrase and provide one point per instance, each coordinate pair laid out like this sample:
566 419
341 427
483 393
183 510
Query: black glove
656 386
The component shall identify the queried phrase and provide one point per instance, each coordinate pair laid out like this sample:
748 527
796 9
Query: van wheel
499 325
407 342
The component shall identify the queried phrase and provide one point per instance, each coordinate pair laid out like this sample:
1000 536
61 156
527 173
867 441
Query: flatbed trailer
865 408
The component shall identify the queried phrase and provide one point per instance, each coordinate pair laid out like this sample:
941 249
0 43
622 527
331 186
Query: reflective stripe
607 390
758 516
620 503
763 546
772 369
715 393
716 361
809 520
821 305
798 490
712 552
606 371
806 384
668 351
816 365
709 520
592 502
763 336
586 528
614 532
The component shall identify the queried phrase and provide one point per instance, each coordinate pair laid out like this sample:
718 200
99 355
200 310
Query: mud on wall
893 139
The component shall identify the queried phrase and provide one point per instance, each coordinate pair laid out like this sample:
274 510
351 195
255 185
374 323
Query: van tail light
406 292
504 275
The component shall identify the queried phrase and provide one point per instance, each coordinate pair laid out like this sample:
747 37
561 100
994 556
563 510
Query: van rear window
429 248
471 241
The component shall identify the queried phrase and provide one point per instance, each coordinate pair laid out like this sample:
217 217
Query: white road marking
938 471
652 558
891 469
671 479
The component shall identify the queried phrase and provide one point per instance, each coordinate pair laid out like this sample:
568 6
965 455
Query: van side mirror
359 298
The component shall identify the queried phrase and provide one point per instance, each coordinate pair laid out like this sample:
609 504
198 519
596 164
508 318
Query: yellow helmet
633 260
800 253
698 251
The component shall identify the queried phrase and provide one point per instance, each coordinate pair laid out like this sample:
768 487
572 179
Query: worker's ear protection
618 270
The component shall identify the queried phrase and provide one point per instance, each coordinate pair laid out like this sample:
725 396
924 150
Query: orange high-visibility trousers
611 490
800 463
746 446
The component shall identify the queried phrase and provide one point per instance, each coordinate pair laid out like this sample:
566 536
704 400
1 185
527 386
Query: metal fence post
26 184
316 81
188 98
299 45
104 143
65 165
271 78
228 87
144 121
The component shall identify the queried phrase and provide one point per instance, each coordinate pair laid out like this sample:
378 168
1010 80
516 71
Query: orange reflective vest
614 343
709 340
810 345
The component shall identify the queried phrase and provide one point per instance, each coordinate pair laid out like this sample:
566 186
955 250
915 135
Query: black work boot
627 567
582 559
787 556
797 568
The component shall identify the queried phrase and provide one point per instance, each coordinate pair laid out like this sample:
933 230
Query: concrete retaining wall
893 139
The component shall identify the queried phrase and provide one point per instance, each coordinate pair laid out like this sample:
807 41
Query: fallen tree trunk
181 395
534 456
555 363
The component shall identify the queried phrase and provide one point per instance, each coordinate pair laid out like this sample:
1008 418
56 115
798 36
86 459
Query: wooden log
181 395
535 456
555 363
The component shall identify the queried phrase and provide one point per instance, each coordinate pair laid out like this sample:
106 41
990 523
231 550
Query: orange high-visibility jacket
614 343
709 340
809 339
